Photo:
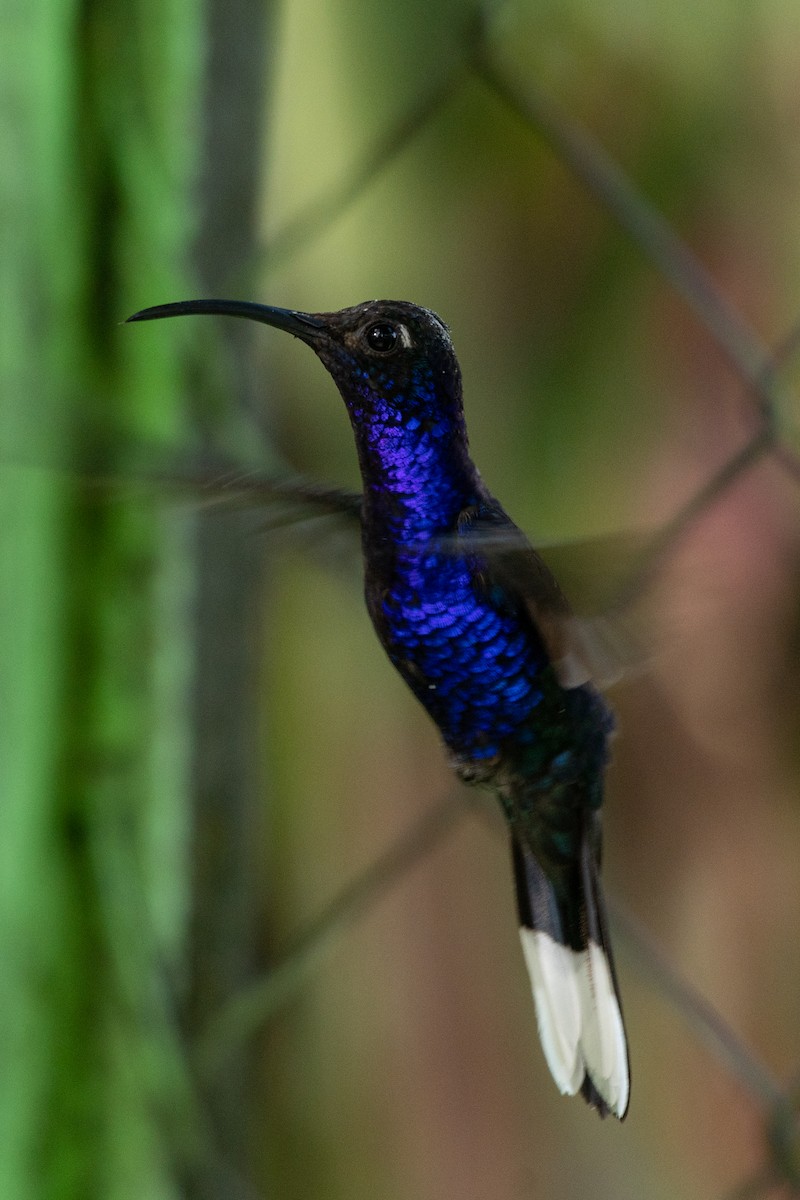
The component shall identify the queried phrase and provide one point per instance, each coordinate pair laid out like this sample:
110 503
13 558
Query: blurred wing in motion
571 586
590 638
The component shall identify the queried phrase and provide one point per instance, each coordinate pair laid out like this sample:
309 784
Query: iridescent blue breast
479 669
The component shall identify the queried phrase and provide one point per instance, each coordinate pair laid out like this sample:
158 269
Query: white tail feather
558 1006
580 1024
603 1037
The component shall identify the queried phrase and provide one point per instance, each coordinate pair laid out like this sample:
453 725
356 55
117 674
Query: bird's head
389 358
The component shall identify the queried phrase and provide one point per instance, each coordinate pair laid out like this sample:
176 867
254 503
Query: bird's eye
382 337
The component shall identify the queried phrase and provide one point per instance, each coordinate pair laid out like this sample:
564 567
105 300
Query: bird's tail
568 955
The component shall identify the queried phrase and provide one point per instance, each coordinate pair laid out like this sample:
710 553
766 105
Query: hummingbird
482 634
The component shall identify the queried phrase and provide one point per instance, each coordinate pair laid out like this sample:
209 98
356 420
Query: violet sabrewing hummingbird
479 629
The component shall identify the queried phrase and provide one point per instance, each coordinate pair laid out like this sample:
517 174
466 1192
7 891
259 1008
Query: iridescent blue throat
414 459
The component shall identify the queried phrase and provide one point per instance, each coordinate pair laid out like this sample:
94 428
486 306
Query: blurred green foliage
93 651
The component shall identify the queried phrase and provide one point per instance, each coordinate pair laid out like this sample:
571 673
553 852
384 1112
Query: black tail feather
567 949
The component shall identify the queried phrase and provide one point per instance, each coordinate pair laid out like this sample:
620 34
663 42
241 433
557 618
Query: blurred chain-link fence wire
761 371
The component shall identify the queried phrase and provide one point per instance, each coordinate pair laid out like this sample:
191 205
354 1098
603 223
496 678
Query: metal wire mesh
760 370
475 67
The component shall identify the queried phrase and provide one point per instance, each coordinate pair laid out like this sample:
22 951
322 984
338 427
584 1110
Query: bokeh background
255 943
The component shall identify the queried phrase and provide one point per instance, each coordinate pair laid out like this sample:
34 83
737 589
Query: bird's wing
581 649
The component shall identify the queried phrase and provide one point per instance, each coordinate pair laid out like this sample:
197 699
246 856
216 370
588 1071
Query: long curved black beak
302 325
